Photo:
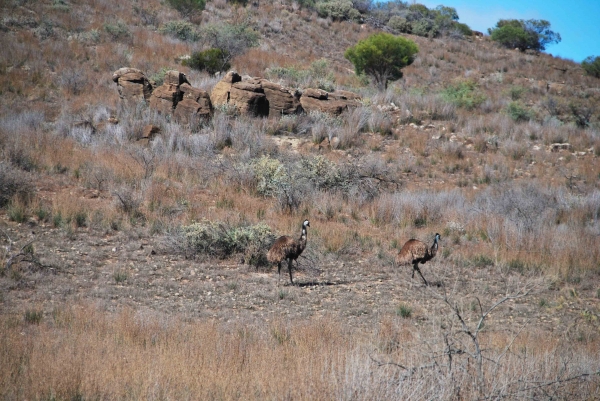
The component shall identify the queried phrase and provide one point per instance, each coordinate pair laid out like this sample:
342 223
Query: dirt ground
133 269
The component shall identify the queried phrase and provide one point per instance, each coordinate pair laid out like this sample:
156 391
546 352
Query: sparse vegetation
154 248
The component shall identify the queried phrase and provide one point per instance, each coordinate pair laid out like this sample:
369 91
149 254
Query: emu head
437 237
306 224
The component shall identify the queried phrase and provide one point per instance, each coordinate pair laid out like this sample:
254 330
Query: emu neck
434 247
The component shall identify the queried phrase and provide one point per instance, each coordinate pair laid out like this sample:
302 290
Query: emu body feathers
415 252
286 247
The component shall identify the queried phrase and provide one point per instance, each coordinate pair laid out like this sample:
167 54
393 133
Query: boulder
333 103
282 100
219 95
195 104
164 99
132 84
249 99
248 96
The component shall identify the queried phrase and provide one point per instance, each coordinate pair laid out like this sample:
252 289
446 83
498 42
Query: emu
286 247
415 252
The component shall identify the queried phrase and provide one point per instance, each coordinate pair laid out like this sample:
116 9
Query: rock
150 131
318 94
164 99
335 142
282 100
319 100
219 95
194 105
132 84
249 99
557 147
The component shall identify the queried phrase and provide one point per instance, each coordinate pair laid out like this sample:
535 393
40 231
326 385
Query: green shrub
232 39
424 27
14 184
400 24
181 30
464 29
591 66
118 31
223 240
338 10
17 212
211 61
120 276
516 92
404 311
270 174
187 8
159 76
518 112
463 94
33 316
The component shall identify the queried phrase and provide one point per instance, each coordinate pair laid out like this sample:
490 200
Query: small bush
518 112
222 240
33 316
211 61
120 276
118 31
187 8
181 30
17 212
338 10
14 184
463 94
404 311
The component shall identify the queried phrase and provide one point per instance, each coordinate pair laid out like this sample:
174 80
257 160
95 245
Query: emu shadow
318 283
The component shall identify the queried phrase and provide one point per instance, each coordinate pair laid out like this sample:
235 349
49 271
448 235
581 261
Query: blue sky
577 21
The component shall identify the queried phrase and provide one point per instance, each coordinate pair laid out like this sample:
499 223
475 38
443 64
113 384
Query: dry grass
85 352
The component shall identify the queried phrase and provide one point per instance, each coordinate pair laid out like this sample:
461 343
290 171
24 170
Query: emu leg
279 270
290 270
419 271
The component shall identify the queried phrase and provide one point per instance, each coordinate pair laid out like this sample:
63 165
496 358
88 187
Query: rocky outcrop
132 84
261 97
333 103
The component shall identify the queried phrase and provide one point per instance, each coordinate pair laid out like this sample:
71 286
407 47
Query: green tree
591 66
523 35
382 56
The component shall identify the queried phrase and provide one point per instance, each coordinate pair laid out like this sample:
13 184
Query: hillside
133 268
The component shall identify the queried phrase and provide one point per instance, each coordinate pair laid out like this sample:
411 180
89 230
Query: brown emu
286 247
415 252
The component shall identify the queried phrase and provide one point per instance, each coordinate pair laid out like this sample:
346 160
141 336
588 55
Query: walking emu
415 252
285 247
